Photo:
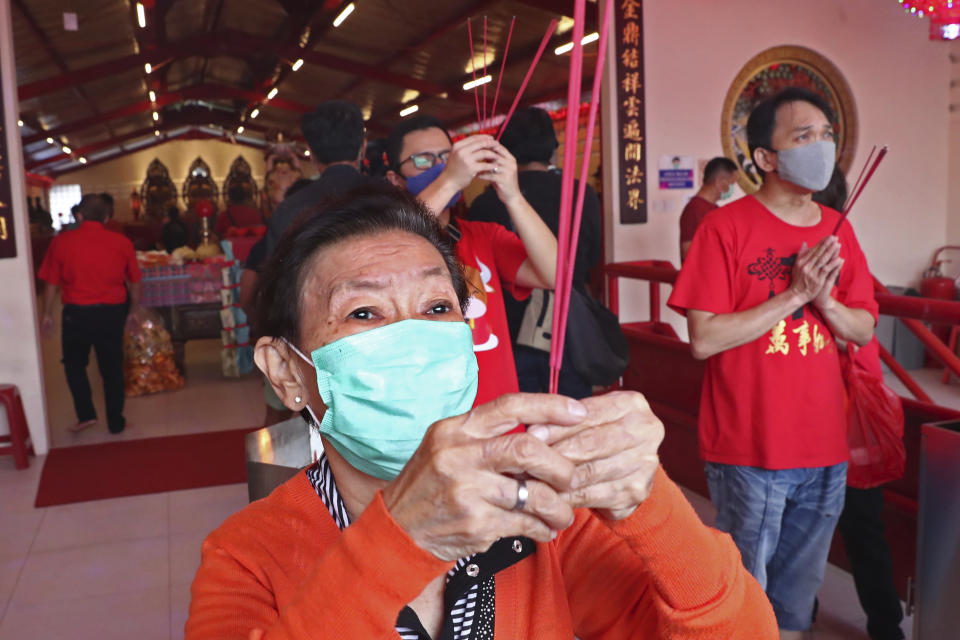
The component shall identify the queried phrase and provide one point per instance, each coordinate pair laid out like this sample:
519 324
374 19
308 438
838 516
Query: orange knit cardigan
281 568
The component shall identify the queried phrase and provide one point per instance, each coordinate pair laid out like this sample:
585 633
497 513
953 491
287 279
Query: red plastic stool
19 438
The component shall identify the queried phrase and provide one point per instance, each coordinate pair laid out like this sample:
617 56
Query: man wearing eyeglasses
424 160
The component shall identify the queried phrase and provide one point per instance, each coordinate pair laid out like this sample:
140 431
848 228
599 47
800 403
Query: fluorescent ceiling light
343 14
296 65
240 129
19 123
66 150
156 132
141 16
49 140
476 83
153 96
306 153
83 160
254 113
156 116
272 94
148 68
411 109
587 39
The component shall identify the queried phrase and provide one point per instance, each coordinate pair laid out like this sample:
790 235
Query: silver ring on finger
522 495
496 168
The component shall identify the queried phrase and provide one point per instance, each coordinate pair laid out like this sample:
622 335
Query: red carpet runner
137 467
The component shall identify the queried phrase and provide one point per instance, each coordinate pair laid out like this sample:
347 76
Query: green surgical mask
383 388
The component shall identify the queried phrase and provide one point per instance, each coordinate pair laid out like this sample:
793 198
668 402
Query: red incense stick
483 122
866 179
584 170
566 189
473 71
533 64
503 63
863 170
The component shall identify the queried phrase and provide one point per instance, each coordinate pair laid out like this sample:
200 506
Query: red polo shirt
91 264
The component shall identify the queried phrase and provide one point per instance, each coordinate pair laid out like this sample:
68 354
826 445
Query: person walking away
94 268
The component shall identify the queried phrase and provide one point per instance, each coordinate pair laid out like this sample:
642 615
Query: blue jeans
782 522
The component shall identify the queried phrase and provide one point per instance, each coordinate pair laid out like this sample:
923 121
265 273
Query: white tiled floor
120 569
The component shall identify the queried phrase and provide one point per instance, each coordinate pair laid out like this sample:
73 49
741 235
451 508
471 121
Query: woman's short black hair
530 136
763 118
364 211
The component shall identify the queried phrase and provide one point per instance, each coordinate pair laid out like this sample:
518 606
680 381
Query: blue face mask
383 388
416 184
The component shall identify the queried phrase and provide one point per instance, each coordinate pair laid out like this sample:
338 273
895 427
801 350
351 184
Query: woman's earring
298 400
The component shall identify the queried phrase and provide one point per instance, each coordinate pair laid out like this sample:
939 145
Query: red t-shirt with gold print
776 402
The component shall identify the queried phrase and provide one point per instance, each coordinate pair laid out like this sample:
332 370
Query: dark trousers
533 374
861 526
101 327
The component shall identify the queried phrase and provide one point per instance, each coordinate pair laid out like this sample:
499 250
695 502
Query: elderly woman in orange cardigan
425 519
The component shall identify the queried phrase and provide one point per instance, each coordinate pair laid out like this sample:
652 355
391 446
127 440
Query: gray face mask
810 166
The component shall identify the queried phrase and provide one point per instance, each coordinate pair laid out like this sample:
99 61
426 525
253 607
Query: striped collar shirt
469 594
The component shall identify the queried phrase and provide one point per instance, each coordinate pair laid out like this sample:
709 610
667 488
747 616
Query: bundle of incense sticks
873 161
570 213
485 119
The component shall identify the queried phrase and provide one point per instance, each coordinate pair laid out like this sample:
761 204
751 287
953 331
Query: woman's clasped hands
471 482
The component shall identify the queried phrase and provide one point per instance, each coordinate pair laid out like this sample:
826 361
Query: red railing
912 311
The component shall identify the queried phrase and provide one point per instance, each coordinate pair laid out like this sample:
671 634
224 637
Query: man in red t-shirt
94 268
719 176
424 160
767 290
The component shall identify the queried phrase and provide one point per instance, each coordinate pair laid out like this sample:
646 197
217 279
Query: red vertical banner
8 242
628 32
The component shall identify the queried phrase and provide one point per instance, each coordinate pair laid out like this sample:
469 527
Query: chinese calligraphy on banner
628 27
8 242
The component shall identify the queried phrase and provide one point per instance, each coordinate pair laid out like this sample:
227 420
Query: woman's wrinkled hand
614 450
456 496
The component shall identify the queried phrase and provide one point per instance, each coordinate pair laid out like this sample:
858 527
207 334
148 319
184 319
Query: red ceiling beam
455 22
235 44
112 141
315 21
199 92
191 134
54 55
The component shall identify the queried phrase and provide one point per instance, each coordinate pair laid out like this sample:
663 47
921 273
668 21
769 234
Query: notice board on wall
628 30
8 241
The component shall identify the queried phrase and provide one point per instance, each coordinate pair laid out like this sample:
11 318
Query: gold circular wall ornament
767 73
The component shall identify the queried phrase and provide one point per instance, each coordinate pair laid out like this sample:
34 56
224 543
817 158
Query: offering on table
148 365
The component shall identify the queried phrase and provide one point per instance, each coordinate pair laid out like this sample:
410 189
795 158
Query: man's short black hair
334 131
366 210
400 131
530 136
716 167
93 207
107 199
763 118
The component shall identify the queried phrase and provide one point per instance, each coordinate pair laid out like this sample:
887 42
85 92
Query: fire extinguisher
934 283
